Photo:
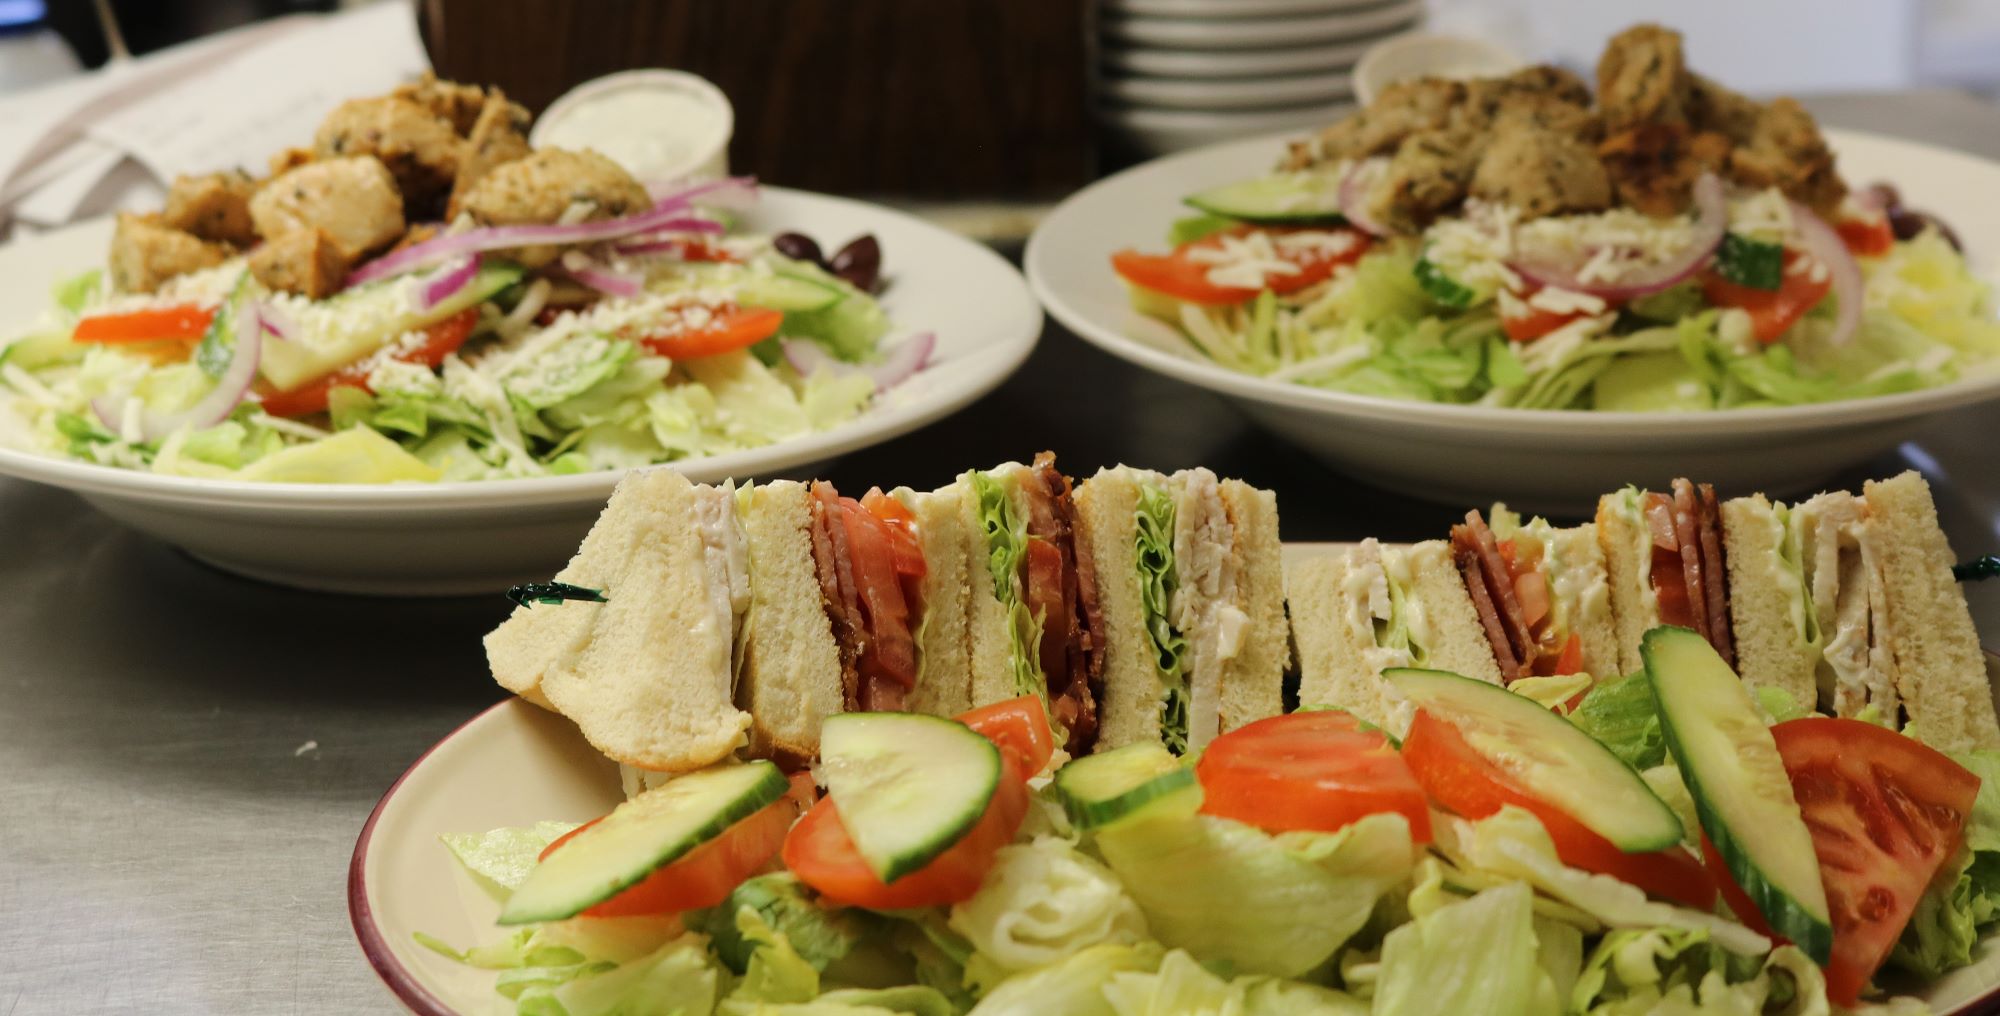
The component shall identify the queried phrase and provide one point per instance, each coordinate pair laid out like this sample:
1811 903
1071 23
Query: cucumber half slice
1098 790
640 836
788 293
1281 199
907 786
1547 756
1742 795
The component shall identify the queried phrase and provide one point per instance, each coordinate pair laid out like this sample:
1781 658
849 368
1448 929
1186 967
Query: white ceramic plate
460 538
1232 9
1208 93
516 764
1317 58
1208 34
1541 460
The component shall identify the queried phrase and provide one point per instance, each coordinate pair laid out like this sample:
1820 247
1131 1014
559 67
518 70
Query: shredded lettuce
1153 536
1233 894
1006 548
1680 972
358 455
1620 713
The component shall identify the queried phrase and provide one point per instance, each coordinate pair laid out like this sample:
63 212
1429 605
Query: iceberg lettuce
1680 972
1041 903
1006 547
1153 536
499 860
1475 957
1232 894
1183 987
1073 986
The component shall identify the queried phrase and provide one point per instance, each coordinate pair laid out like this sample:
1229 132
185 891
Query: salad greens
1445 317
590 387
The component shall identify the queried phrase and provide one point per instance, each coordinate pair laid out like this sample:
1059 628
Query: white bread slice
1940 670
1128 710
536 638
1339 663
1765 601
1331 671
1253 678
1591 617
1628 560
944 677
651 686
790 668
1457 642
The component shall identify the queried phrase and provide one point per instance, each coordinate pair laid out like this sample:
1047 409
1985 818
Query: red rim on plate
380 956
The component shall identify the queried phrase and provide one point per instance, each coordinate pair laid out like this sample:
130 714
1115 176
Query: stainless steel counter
186 757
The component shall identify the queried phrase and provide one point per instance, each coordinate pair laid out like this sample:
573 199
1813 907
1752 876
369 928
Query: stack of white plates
1178 74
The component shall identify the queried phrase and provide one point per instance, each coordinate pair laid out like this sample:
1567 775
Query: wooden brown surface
926 98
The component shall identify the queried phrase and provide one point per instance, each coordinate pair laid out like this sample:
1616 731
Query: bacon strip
1687 536
836 589
1715 572
1488 580
1070 661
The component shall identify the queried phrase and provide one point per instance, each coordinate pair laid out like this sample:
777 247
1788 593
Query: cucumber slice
1751 263
640 836
1098 790
908 786
1281 199
1731 766
289 364
787 293
1548 756
1441 287
43 349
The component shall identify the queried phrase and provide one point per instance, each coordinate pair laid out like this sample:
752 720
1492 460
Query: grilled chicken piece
419 148
546 186
1642 78
498 137
1786 151
354 200
303 261
214 207
146 252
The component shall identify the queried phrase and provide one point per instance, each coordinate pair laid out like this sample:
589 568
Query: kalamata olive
1906 224
799 247
860 262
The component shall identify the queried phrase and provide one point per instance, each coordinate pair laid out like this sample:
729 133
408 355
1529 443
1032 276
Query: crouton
353 199
460 105
214 207
553 185
499 136
146 252
419 147
1642 78
303 261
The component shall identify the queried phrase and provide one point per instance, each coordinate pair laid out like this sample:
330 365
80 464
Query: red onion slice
1824 244
1711 205
447 281
902 362
605 280
669 216
216 405
1353 195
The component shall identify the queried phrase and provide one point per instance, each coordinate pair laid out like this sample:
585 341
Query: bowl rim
1450 416
875 426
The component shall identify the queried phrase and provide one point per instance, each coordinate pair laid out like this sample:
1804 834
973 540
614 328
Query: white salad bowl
1551 461
515 765
477 537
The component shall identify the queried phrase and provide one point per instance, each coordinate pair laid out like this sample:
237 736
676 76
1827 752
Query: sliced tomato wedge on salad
823 856
1886 812
1020 726
1184 274
440 340
1320 770
1772 312
1867 237
706 875
181 322
730 329
1461 780
1524 322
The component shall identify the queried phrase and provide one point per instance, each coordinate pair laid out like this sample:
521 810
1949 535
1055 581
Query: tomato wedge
1535 322
1867 237
730 329
1319 770
1886 812
1020 726
183 322
1772 312
1184 276
1461 780
822 855
440 339
704 876
890 651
